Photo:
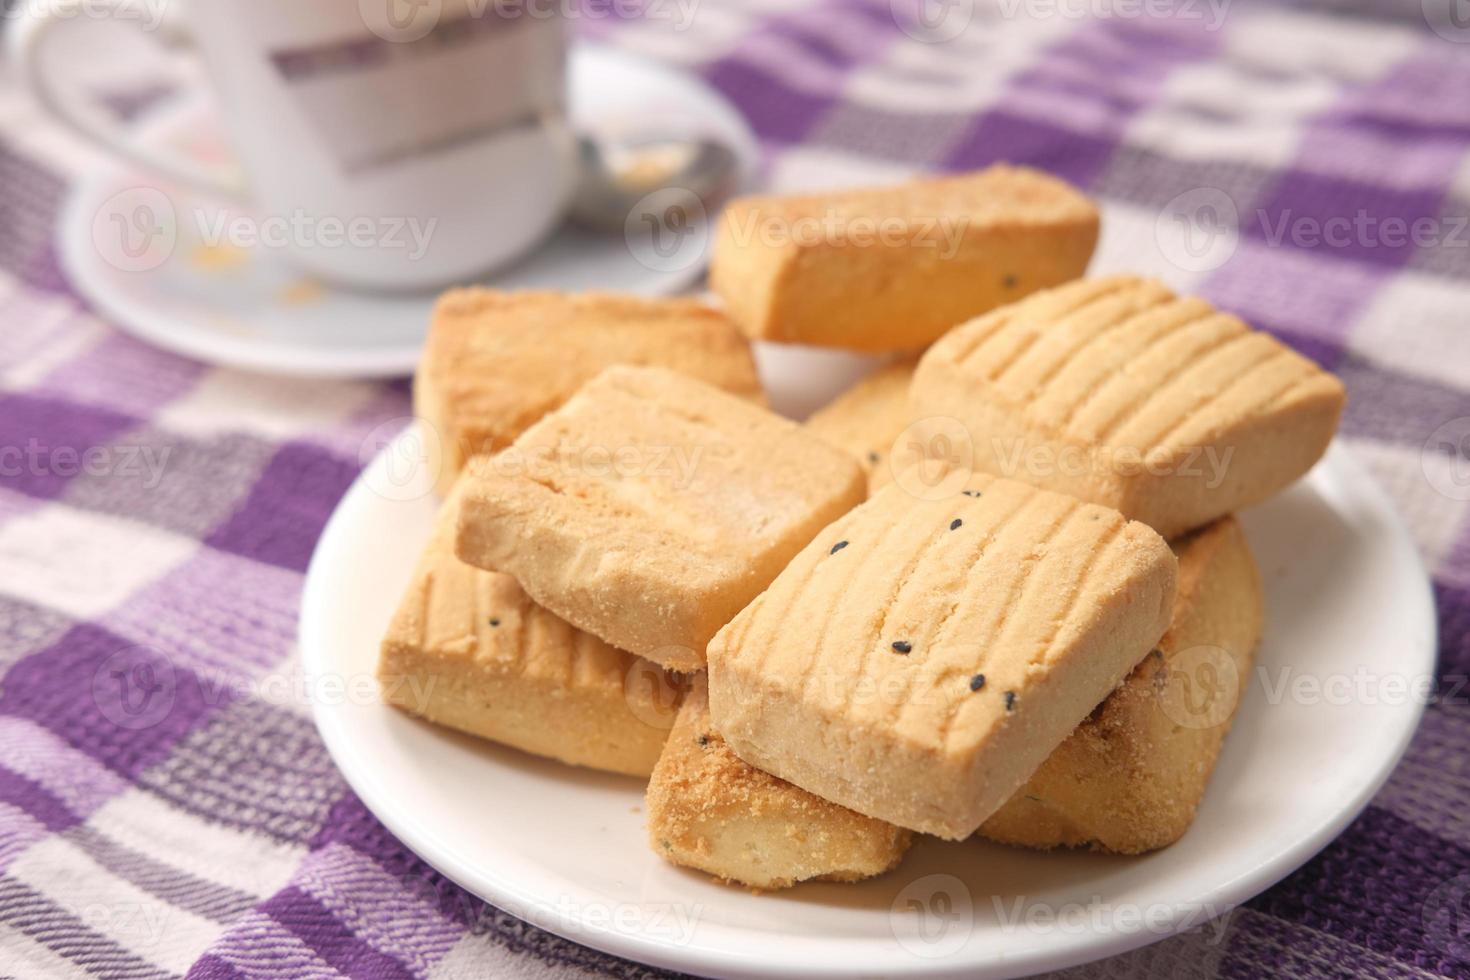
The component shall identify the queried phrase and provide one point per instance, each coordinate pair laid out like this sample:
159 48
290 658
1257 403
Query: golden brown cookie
710 811
893 268
867 418
651 507
495 362
468 649
1130 778
920 658
1119 392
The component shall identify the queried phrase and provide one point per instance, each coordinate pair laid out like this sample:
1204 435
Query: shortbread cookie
867 418
495 362
710 811
1130 777
468 649
1119 392
920 658
893 268
652 507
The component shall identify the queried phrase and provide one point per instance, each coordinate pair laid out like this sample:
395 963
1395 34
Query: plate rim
720 962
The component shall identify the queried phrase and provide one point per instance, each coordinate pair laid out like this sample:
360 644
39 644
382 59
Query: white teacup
429 136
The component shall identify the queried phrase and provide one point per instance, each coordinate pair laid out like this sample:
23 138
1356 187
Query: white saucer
249 308
566 848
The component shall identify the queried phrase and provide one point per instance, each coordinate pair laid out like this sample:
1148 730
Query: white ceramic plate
566 849
250 308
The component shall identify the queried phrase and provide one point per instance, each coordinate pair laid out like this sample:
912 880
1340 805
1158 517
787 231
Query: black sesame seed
902 646
1010 700
970 493
977 682
837 547
494 622
954 524
703 741
1009 282
873 457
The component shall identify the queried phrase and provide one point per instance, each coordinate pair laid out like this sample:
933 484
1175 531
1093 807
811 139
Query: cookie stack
996 588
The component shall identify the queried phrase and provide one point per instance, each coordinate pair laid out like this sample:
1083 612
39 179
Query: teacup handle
39 24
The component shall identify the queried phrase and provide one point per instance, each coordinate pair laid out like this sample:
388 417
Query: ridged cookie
710 811
495 362
920 658
893 268
468 649
651 507
867 418
1130 778
1119 392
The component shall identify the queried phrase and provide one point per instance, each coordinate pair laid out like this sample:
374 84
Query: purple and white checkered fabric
1306 167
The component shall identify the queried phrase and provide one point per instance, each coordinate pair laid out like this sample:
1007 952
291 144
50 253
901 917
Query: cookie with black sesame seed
1131 776
710 811
651 507
893 268
867 418
920 674
469 650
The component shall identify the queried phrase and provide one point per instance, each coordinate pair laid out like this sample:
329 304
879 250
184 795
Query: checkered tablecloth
1308 168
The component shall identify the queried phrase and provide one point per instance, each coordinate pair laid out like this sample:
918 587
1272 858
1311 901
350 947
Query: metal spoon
616 176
